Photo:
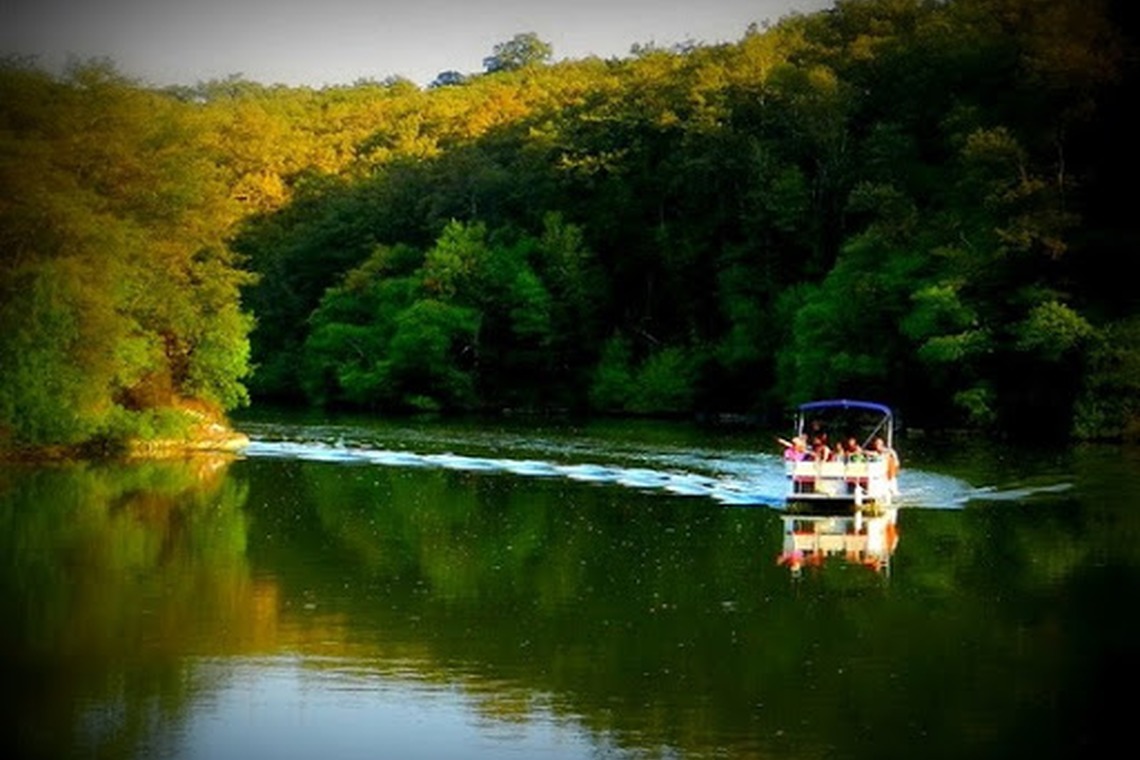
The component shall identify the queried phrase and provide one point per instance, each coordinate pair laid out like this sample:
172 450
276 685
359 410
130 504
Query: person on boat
880 450
852 451
818 432
838 452
795 450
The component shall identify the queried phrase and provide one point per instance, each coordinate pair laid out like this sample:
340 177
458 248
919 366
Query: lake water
362 589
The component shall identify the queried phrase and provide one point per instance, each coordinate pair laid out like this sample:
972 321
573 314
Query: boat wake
760 484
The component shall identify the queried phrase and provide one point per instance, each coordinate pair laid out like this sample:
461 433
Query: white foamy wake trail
761 482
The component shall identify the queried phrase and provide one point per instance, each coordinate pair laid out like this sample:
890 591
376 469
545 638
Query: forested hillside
913 201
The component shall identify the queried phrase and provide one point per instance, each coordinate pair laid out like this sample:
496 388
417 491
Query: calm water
435 591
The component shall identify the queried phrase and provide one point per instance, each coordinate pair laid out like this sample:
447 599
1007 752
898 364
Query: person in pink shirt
795 450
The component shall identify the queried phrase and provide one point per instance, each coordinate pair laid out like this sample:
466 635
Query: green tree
522 50
1108 407
120 296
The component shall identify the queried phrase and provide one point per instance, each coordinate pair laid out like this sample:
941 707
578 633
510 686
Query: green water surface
314 607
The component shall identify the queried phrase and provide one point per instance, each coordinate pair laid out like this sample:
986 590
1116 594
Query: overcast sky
326 42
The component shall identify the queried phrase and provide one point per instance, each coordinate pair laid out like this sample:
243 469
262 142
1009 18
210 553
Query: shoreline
215 441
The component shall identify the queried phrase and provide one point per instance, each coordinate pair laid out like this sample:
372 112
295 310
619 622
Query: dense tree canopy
907 200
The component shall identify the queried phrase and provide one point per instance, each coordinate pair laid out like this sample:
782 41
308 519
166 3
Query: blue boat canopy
843 403
884 427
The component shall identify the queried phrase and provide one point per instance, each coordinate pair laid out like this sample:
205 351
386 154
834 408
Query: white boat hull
856 483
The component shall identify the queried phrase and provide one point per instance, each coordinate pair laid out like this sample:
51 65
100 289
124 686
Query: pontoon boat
842 456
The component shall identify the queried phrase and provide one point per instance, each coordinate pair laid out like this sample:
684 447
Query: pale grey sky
325 42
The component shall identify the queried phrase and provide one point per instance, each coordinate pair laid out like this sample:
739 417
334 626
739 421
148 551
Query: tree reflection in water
160 609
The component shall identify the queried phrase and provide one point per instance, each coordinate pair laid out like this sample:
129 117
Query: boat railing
837 478
835 469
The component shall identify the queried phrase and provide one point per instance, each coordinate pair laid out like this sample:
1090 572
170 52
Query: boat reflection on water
859 538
